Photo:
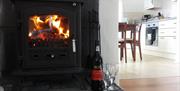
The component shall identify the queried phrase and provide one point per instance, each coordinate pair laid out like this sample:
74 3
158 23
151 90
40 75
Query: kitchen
159 25
159 40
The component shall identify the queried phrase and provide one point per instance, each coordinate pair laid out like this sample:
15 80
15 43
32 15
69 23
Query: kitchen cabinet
167 39
167 36
167 44
151 4
168 32
168 24
143 33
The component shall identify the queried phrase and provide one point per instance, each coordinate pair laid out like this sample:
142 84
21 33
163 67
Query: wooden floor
149 67
151 84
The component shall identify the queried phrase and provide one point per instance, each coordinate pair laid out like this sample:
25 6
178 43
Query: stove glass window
48 31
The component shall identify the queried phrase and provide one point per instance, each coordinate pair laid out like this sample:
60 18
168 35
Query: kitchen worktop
159 20
168 18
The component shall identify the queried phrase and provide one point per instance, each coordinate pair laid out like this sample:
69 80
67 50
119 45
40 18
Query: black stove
47 38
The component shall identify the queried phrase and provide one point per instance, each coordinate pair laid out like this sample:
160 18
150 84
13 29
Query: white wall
168 9
120 11
133 5
108 10
178 32
133 9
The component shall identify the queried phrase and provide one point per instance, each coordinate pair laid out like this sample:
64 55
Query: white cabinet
151 4
143 35
167 44
167 32
167 40
167 36
168 24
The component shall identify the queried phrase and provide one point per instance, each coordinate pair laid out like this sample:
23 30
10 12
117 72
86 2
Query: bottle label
97 48
97 75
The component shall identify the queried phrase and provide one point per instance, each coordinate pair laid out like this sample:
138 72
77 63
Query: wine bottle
97 83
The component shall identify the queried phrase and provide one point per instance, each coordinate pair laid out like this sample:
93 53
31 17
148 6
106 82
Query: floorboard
151 84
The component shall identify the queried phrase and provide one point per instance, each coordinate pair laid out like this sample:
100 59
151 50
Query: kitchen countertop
159 20
168 18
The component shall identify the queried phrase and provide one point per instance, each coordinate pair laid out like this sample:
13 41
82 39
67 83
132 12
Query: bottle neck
98 59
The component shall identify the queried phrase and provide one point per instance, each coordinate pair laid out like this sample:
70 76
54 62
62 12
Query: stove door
51 34
152 36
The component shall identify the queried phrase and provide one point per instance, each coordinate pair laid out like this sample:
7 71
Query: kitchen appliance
152 33
146 17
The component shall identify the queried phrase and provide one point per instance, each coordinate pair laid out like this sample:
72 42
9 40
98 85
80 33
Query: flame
66 35
37 22
50 23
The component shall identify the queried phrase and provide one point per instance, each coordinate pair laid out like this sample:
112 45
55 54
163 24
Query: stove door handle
74 45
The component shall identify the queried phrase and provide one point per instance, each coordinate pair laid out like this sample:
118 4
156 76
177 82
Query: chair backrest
135 28
122 29
139 31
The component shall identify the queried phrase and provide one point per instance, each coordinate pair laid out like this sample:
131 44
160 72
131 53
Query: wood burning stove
47 38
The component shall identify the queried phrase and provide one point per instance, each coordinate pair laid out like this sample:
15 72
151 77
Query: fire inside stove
48 31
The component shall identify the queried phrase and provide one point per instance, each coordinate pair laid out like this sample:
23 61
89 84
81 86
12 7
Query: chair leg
132 50
140 52
121 53
125 54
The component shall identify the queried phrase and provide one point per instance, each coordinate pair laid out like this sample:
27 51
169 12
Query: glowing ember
48 27
30 34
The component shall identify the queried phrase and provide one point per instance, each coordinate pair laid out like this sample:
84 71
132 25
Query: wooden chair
122 41
135 41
